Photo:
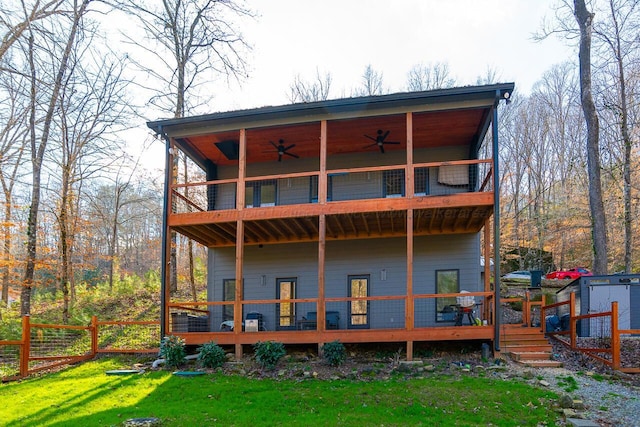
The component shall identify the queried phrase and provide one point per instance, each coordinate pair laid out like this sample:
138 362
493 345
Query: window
447 282
228 294
286 290
359 309
394 183
421 181
260 193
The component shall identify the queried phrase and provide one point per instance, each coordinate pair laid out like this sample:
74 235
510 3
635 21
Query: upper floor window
393 183
260 193
421 181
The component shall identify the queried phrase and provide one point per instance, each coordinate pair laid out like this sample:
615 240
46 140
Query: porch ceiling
360 225
430 129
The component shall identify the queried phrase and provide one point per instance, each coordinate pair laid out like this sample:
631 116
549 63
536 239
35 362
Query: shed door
600 298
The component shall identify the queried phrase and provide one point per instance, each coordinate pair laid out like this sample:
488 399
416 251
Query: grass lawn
85 396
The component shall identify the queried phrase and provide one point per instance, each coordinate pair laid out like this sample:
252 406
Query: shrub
211 355
172 350
269 353
334 353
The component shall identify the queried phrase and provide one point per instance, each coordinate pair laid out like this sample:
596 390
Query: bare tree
431 76
372 83
40 129
91 109
584 19
13 142
310 91
618 31
16 22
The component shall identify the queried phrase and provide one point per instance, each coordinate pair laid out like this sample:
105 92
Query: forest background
82 210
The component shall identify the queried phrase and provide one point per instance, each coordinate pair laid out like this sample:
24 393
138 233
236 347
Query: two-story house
358 219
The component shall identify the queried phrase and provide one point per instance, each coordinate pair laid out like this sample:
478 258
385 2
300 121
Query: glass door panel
359 310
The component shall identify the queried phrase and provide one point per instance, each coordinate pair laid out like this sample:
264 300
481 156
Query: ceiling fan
282 150
380 140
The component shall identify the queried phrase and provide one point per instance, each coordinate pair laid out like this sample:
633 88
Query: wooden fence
609 339
44 346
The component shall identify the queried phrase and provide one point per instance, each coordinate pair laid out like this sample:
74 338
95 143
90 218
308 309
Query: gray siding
351 257
635 307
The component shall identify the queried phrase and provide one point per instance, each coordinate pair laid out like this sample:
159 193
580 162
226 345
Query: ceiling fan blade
382 149
371 138
391 142
292 155
370 145
289 147
279 157
274 144
386 134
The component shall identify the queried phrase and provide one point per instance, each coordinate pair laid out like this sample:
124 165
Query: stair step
530 355
526 348
540 363
538 341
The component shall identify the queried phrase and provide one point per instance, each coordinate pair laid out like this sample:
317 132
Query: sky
299 37
292 38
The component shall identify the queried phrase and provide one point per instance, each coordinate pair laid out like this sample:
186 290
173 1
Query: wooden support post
320 309
615 337
409 302
322 176
409 350
25 348
240 192
526 309
94 336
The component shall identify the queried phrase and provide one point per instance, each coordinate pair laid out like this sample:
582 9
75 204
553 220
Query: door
286 290
600 298
359 309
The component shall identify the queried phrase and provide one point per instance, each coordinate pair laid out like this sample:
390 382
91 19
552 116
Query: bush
334 353
211 355
269 353
172 350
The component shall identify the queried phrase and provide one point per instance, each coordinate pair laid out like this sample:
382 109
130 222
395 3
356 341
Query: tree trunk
598 220
37 151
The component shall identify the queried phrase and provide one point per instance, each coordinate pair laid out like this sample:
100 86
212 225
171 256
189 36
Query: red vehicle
572 273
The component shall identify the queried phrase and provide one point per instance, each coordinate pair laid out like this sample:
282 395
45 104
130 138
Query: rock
569 413
429 368
544 383
578 404
565 401
142 422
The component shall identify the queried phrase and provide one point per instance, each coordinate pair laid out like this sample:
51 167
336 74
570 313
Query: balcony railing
341 313
430 179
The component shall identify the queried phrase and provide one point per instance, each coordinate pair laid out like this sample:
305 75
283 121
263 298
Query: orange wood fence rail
45 346
611 345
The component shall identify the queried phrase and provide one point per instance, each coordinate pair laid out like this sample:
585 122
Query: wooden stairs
527 346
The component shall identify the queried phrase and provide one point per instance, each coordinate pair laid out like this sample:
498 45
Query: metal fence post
572 320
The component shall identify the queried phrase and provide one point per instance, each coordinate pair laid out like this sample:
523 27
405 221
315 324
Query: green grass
85 396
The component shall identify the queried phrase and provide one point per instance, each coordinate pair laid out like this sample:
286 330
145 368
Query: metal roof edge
372 103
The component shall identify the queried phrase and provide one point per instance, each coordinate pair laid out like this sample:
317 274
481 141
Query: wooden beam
366 224
322 176
320 309
335 208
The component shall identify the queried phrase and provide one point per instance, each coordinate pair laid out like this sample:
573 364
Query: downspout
496 225
165 222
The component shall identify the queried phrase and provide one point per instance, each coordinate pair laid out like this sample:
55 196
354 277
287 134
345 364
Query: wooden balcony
360 203
427 325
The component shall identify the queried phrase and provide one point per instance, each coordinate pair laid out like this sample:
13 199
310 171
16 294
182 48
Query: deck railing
372 312
430 179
